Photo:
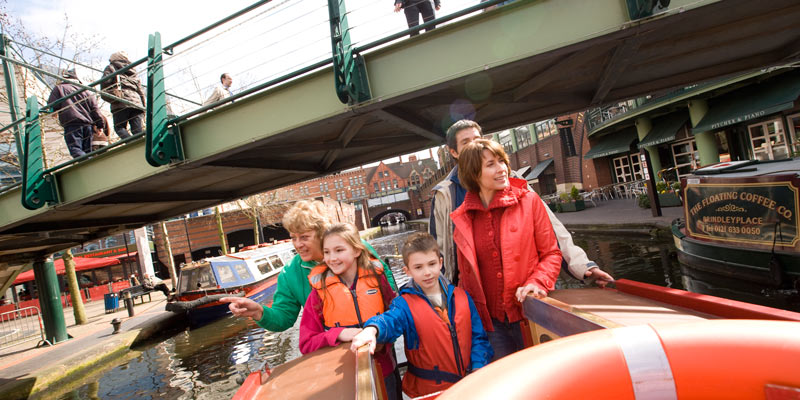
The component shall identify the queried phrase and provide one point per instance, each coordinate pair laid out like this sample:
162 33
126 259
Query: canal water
210 362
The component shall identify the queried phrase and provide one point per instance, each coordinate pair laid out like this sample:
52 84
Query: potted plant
668 195
572 201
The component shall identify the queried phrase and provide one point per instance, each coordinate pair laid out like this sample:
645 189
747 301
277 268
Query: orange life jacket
444 348
342 307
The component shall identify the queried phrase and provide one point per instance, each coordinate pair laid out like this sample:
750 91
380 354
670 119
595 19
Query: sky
277 37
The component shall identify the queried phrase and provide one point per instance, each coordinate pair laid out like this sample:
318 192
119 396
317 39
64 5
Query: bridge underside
521 63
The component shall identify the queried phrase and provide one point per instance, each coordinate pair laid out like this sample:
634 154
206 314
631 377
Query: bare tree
51 54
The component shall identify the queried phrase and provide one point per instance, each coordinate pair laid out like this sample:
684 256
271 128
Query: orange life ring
717 359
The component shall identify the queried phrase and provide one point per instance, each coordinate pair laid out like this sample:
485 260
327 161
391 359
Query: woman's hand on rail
536 291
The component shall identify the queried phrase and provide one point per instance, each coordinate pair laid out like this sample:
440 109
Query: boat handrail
369 379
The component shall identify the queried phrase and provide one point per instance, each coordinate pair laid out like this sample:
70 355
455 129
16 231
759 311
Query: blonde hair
470 162
349 233
306 216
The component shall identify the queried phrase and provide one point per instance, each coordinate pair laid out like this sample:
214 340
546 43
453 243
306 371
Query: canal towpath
619 216
28 371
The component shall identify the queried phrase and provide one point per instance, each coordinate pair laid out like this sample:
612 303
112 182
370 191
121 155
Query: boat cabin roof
750 168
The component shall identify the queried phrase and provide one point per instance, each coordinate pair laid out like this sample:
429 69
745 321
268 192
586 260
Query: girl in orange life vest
348 289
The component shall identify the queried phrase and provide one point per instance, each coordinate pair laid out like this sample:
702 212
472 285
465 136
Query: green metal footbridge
371 100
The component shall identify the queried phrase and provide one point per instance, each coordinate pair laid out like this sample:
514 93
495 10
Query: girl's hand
397 7
366 336
244 307
347 334
522 292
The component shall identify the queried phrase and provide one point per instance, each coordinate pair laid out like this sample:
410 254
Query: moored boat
740 221
251 273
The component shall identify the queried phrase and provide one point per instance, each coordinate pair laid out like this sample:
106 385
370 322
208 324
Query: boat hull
737 262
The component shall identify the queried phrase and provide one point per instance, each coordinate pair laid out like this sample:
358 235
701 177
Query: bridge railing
266 44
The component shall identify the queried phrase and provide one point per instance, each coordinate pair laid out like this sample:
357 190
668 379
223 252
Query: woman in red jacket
506 244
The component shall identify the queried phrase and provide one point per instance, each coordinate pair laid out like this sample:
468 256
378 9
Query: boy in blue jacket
443 334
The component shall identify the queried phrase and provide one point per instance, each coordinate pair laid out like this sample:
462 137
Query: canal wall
66 365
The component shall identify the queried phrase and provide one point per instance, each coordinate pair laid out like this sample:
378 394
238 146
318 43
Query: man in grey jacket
126 86
449 194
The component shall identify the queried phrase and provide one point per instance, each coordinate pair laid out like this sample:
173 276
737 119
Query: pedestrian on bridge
222 91
128 87
414 8
78 114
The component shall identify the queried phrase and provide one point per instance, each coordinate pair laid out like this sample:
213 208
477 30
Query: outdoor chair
589 196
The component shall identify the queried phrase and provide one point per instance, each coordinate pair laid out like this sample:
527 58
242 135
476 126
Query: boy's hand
366 336
536 291
347 334
244 307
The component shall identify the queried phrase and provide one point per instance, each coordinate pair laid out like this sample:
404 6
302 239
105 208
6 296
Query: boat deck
622 309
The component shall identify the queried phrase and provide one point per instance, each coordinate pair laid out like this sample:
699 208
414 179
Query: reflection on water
205 363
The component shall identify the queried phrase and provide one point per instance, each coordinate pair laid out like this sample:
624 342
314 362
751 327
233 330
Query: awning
613 143
81 264
664 129
538 169
520 173
751 102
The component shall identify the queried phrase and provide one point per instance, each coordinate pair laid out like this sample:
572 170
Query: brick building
197 237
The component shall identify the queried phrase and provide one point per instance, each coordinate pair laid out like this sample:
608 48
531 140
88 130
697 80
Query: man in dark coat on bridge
414 8
126 86
78 114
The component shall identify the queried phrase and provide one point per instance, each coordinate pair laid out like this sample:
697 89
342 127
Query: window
426 174
276 261
567 141
376 186
394 183
242 271
639 167
523 136
546 129
383 186
321 188
794 130
685 156
225 275
263 266
363 191
622 169
768 140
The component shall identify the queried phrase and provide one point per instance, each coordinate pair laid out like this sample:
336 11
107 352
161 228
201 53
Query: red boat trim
249 388
723 308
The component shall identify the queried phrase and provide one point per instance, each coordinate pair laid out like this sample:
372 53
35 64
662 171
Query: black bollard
129 303
116 322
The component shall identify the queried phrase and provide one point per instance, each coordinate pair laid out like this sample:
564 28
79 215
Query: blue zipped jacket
398 320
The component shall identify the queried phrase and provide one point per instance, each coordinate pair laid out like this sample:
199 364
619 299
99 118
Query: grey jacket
125 85
575 261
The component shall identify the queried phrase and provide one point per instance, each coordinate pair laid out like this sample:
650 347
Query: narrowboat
251 273
740 222
631 342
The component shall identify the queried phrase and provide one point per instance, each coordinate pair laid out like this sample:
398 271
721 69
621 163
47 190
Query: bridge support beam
349 69
38 188
44 273
163 144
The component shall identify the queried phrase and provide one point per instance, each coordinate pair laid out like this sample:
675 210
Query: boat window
225 274
263 266
197 278
276 261
288 255
242 271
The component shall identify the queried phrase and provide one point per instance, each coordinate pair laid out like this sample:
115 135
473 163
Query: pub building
753 116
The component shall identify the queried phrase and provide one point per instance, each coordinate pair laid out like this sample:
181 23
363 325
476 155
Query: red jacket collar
504 198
